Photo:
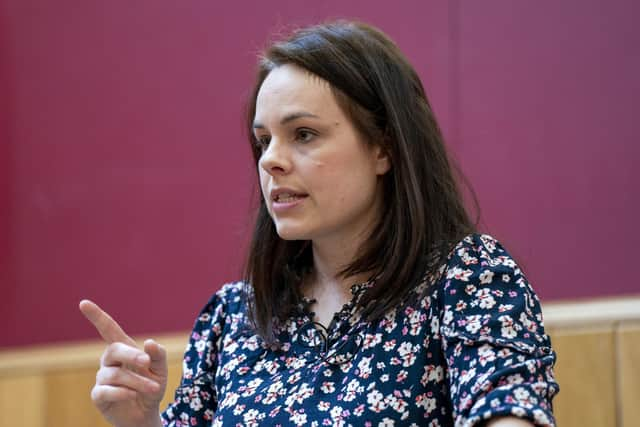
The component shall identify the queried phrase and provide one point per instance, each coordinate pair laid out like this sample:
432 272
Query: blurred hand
131 380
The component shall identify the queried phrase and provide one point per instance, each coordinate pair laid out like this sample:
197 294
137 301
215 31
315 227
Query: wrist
153 421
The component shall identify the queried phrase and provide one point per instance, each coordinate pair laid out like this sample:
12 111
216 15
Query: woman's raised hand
131 381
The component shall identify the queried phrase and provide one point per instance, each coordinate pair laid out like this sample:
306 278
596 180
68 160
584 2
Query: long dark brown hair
423 215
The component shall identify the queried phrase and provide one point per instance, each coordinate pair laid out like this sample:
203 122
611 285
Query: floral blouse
470 348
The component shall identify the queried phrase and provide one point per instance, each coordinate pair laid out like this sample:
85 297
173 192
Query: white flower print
371 340
441 344
489 243
509 329
389 345
508 262
298 396
251 417
518 411
415 323
486 277
448 316
353 390
273 392
505 307
328 387
251 344
528 323
336 413
299 418
485 298
432 373
428 403
459 274
251 387
231 347
407 353
324 406
435 325
389 322
515 379
201 345
541 417
364 368
396 402
486 354
473 323
294 378
196 404
375 399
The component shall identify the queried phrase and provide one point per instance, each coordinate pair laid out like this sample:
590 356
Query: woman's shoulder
231 291
228 299
483 282
476 251
479 264
480 242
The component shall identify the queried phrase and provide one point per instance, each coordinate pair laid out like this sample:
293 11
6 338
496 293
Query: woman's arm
509 422
500 361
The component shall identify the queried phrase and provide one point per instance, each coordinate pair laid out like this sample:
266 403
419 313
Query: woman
368 297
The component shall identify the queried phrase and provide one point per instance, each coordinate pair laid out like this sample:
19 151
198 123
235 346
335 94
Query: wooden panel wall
50 387
598 370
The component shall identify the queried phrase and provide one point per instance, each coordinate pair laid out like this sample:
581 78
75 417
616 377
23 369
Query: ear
383 162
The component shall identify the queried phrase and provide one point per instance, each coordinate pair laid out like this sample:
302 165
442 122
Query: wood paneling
629 374
585 371
598 370
22 401
68 399
51 386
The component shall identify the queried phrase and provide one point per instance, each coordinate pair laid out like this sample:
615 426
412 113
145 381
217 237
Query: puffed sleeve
499 359
196 400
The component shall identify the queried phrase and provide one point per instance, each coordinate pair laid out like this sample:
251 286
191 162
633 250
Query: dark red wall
125 177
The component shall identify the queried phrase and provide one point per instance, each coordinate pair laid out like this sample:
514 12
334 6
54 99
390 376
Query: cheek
264 183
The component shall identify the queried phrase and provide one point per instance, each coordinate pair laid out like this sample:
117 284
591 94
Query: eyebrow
288 118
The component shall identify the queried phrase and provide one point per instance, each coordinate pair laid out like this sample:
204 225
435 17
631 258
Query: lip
281 207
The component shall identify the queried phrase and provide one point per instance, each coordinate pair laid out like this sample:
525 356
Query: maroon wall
124 175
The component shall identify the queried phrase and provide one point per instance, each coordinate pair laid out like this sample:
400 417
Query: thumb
158 357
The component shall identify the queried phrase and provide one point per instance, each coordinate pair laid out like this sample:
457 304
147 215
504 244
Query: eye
304 135
262 141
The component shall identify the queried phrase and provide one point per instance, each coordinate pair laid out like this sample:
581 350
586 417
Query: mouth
287 197
283 199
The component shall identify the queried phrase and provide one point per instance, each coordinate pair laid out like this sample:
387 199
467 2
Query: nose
275 159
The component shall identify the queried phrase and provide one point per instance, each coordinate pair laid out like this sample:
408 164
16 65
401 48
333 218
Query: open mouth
288 197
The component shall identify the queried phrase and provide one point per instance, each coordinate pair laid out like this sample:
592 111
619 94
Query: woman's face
319 178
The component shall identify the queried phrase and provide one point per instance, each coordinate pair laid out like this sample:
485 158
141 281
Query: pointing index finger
108 328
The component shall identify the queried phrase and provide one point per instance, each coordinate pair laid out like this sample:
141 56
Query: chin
287 232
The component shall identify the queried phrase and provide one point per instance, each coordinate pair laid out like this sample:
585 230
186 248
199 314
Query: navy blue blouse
469 348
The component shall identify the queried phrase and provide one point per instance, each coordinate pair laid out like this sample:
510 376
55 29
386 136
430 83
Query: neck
329 259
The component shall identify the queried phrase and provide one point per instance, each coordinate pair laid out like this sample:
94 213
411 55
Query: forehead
289 89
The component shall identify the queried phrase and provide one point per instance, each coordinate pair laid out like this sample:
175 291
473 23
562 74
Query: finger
121 377
103 395
158 357
118 354
108 328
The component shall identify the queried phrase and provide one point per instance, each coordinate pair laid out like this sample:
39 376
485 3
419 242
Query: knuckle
96 394
108 376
